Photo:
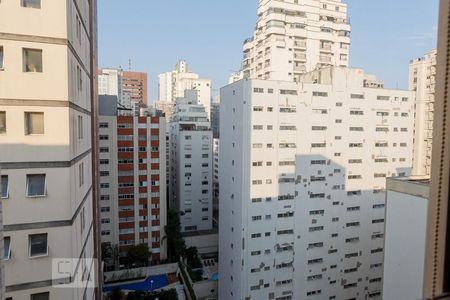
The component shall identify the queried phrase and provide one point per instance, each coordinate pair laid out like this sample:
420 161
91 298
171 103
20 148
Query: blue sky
155 34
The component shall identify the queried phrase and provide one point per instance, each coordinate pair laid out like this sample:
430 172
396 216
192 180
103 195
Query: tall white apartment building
48 106
302 180
191 152
297 36
422 80
172 85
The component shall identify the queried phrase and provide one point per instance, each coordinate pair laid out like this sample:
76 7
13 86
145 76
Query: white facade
216 143
172 85
46 146
405 238
302 180
293 37
422 80
110 82
191 184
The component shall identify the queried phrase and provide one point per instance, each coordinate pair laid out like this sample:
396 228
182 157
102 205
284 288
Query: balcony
300 56
300 44
325 59
326 47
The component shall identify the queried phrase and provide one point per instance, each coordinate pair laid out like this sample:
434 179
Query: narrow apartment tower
132 181
302 181
191 163
48 108
422 80
296 36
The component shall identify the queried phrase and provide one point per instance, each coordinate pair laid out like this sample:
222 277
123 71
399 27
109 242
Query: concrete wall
404 258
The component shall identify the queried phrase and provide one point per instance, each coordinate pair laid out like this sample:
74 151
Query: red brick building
132 182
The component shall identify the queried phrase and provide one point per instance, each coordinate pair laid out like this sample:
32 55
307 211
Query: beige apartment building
422 80
48 157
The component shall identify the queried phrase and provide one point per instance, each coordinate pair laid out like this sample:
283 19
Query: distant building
191 163
303 169
135 83
132 180
295 37
129 87
215 119
172 85
422 80
405 238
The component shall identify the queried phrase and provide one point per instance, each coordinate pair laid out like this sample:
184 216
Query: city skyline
374 26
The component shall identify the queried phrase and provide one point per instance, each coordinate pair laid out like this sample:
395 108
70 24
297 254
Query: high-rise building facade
293 37
48 108
191 163
133 182
302 181
172 85
129 87
422 80
135 83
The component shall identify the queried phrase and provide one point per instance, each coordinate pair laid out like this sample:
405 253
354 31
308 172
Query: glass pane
7 243
4 186
38 244
36 185
32 3
2 122
32 60
35 123
40 296
1 57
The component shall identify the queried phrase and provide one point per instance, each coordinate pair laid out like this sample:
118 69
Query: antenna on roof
129 64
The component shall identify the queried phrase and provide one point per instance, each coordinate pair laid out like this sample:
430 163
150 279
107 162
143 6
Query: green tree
137 256
176 246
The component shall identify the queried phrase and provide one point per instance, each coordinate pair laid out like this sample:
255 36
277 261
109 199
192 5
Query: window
32 4
38 245
1 58
41 296
34 123
5 191
81 174
79 78
36 185
32 60
7 247
2 122
82 220
80 127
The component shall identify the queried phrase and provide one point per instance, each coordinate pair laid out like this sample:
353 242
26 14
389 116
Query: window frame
29 246
7 187
24 61
2 58
45 186
8 257
23 4
3 112
26 121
